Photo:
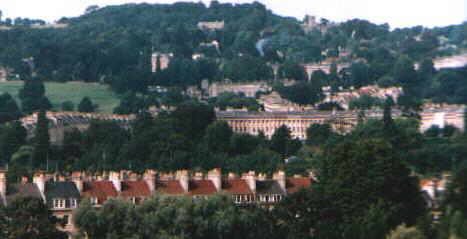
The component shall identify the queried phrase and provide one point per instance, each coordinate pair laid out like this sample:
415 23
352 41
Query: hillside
72 91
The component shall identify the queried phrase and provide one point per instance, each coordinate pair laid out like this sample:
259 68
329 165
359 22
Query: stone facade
249 90
212 26
61 122
324 66
164 59
341 121
4 72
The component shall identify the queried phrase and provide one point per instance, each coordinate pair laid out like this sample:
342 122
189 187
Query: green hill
72 91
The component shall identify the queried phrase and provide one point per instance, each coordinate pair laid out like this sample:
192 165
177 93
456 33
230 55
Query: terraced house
62 194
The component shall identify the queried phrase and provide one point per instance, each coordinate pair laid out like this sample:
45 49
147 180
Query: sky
398 13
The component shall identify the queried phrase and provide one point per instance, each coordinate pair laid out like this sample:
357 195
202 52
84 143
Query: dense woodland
365 184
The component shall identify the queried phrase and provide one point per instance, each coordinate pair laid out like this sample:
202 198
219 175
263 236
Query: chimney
150 179
182 176
77 178
3 183
250 179
232 176
280 178
39 180
115 178
215 176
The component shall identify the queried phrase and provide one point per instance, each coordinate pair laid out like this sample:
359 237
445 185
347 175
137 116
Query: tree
218 136
292 71
193 118
405 74
282 142
11 139
352 176
318 134
33 97
41 139
359 74
86 105
68 106
29 218
388 122
303 93
9 110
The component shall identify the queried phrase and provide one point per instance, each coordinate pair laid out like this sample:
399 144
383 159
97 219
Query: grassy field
72 91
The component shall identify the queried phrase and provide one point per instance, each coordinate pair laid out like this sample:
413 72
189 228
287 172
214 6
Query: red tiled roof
135 189
236 186
169 187
294 184
202 187
102 190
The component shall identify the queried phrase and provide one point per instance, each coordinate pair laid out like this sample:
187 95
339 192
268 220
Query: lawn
72 91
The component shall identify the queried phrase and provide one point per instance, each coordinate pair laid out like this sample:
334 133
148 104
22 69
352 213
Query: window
58 203
73 202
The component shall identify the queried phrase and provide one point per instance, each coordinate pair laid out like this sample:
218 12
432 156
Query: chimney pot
183 177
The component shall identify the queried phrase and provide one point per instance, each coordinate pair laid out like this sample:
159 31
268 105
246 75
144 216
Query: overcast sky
398 13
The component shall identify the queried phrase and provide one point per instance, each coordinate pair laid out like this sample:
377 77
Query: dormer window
59 203
73 203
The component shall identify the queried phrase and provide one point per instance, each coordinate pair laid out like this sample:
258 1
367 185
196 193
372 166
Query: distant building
211 26
341 121
249 90
310 24
164 59
4 72
324 66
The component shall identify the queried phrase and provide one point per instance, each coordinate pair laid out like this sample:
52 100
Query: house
62 194
62 198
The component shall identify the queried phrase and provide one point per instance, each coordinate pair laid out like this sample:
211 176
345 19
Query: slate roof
101 190
22 190
268 187
171 187
294 184
236 186
135 189
201 187
61 190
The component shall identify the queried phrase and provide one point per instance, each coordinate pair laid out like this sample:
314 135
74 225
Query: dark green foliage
86 105
68 106
41 140
363 187
318 134
28 218
365 102
247 68
130 104
225 100
13 136
302 93
282 142
33 97
9 110
218 136
292 71
193 118
174 217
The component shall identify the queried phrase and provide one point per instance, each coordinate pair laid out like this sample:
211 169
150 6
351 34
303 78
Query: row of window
263 198
61 203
